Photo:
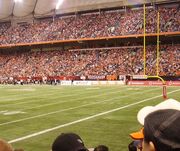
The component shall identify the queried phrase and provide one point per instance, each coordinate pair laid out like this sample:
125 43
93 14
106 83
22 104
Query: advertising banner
154 83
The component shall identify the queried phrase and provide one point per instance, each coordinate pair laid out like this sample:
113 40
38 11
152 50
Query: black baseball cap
163 127
162 123
68 142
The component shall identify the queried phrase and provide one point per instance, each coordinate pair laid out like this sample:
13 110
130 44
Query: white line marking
48 104
13 112
25 102
95 88
25 95
84 119
59 111
81 98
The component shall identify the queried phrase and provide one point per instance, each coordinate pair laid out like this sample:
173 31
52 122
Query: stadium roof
41 8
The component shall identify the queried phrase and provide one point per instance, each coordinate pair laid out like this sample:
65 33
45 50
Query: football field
32 116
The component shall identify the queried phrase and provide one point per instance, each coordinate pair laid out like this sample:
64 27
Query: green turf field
32 116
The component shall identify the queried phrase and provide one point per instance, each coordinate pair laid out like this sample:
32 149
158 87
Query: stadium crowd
121 61
100 24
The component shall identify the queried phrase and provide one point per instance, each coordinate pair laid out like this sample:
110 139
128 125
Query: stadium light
17 1
59 4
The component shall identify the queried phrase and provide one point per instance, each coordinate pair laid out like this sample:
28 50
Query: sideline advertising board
154 83
83 83
65 82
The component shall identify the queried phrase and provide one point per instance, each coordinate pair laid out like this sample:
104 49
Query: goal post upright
144 8
164 92
158 54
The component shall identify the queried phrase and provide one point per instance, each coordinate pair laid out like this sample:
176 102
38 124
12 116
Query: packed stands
120 61
103 24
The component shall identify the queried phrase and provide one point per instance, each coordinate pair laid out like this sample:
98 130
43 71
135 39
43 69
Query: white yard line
79 98
23 96
84 119
77 94
25 102
68 109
